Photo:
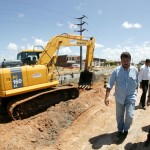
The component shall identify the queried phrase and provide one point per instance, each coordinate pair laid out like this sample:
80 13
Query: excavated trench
74 77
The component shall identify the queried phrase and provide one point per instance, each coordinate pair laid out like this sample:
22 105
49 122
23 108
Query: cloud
146 43
100 12
24 39
40 42
37 43
65 51
10 57
59 24
128 25
98 45
29 46
20 15
72 26
138 52
12 46
79 6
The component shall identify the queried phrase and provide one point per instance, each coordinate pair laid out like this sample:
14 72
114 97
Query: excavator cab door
85 80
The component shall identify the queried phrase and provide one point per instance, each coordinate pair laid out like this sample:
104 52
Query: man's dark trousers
144 89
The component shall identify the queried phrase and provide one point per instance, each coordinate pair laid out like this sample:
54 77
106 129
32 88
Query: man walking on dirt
147 142
125 78
144 76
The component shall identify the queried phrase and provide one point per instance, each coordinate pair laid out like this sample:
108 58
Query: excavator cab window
29 57
34 59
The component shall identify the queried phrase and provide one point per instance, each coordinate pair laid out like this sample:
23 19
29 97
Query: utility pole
81 30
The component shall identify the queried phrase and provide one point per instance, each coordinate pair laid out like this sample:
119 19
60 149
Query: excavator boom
55 43
67 40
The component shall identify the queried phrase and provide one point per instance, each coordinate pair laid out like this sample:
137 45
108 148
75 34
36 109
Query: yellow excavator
26 89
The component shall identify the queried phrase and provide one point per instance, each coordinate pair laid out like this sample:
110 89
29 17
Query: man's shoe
144 107
119 134
119 137
125 134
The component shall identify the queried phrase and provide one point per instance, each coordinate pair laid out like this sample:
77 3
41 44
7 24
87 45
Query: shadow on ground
104 139
136 146
146 128
140 145
4 117
138 107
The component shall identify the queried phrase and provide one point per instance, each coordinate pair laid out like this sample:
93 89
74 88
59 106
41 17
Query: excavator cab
29 57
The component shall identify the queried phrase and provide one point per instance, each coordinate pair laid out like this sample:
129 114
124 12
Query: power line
80 31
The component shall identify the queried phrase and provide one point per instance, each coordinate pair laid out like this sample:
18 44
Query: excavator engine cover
85 80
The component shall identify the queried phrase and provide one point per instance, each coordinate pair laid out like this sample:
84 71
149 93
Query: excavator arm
51 50
55 43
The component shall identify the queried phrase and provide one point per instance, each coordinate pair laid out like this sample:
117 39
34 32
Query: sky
116 25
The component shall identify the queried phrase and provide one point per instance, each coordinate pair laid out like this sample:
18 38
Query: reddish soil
81 124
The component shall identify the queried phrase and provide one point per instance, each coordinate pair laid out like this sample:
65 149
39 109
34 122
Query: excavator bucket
85 80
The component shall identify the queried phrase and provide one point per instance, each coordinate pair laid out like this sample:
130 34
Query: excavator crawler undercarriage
29 104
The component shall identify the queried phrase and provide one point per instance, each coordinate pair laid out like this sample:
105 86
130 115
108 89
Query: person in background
147 142
125 78
144 77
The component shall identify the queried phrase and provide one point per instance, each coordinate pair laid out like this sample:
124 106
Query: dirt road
96 129
81 124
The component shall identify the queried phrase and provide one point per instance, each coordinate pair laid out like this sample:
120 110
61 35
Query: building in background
68 61
74 61
98 62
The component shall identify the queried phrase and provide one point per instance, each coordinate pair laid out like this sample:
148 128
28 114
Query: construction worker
147 142
125 78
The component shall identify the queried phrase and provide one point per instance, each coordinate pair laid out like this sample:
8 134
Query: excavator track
33 103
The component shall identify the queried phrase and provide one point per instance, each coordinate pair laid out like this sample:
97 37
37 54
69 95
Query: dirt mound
43 130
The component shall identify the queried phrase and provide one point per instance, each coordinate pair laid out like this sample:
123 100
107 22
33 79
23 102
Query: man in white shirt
144 77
